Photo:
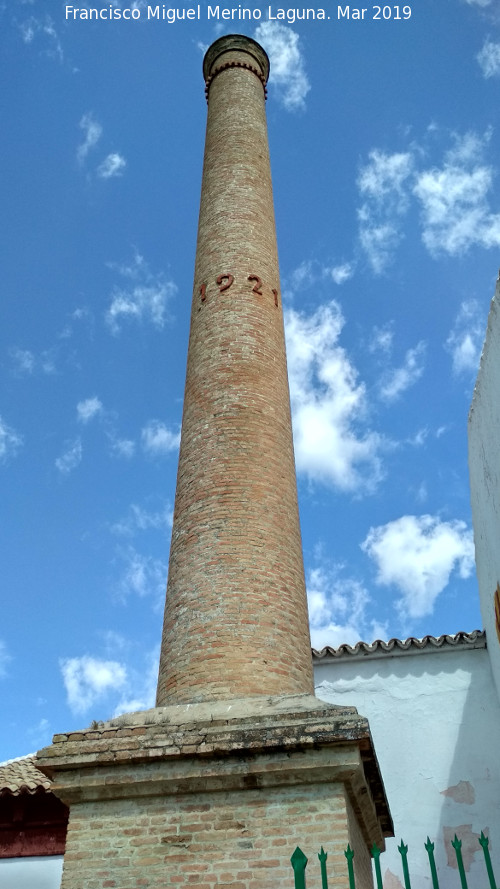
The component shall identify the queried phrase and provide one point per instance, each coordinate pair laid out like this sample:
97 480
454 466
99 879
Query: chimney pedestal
212 795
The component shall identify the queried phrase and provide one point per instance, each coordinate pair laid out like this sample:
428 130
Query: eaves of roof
401 647
22 776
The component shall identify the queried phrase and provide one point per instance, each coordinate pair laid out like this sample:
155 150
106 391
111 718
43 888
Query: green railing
299 864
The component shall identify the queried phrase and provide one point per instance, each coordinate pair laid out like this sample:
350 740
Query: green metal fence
299 864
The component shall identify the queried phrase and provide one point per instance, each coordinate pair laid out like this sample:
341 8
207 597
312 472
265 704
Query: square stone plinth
219 795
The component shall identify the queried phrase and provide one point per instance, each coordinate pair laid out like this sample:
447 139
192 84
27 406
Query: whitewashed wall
37 872
435 721
484 470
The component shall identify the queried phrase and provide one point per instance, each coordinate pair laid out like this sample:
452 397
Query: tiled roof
396 647
21 776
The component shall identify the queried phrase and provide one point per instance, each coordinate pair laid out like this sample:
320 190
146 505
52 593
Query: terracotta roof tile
394 647
21 776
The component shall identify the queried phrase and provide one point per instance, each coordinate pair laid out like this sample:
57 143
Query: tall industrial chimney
238 762
236 612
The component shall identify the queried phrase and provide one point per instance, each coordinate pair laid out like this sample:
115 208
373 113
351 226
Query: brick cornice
234 64
184 749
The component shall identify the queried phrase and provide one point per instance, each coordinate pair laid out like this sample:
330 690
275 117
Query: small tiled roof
21 776
395 647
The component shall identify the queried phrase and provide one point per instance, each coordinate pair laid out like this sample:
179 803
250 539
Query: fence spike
484 843
322 863
429 848
375 853
403 851
457 845
299 862
349 854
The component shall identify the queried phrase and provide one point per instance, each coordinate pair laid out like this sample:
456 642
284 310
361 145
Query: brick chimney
239 761
236 612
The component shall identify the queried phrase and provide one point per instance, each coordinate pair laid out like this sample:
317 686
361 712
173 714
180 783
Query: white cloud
489 59
25 362
113 165
383 183
71 458
79 315
303 276
28 29
341 273
338 609
141 519
421 493
122 447
33 26
47 361
4 659
454 200
88 679
401 378
88 409
384 179
143 576
141 691
378 240
481 3
287 73
145 299
381 339
158 439
92 133
49 31
311 271
113 642
465 340
328 404
417 555
39 734
23 359
10 441
420 438
138 691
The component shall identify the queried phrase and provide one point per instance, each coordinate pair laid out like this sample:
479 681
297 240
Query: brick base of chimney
219 794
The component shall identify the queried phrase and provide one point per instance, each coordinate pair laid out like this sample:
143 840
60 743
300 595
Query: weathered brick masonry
238 763
236 611
206 795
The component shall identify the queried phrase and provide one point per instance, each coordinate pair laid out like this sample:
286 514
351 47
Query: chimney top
235 44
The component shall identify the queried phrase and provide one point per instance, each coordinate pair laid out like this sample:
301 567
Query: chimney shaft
236 614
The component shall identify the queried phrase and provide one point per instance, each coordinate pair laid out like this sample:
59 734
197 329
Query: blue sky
384 138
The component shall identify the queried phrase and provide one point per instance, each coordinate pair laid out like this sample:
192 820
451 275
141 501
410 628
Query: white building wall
435 721
37 872
484 470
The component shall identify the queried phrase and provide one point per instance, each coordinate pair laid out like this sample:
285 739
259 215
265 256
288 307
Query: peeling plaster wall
435 721
31 873
484 470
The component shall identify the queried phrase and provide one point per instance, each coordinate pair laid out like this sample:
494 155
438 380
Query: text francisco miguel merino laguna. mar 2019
237 13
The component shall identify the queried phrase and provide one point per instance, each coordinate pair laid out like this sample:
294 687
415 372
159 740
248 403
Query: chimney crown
235 50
